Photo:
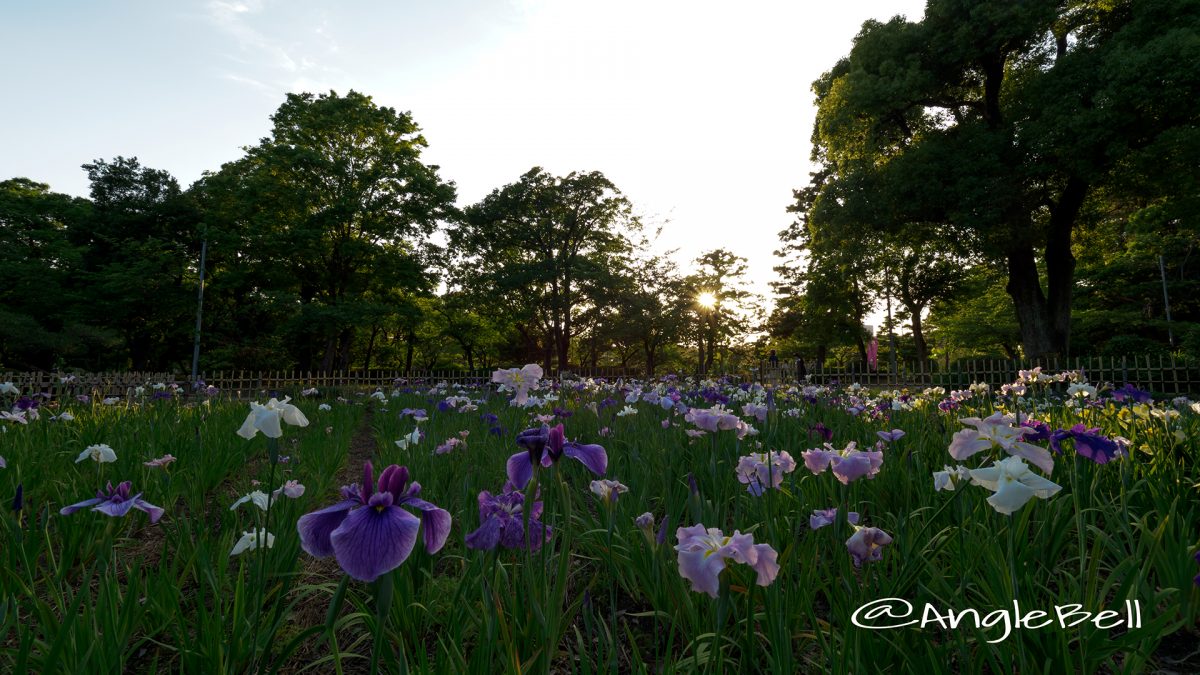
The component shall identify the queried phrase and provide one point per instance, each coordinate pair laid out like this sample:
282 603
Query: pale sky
700 112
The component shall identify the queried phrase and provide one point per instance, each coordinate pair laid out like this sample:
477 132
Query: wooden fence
1160 375
251 383
1157 374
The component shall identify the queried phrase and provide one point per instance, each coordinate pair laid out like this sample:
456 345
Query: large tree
997 121
39 303
332 211
535 244
142 243
723 305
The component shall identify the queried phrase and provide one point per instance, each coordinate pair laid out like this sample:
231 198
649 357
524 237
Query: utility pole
199 310
1162 270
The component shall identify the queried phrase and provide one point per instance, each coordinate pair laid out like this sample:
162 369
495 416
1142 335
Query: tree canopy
999 132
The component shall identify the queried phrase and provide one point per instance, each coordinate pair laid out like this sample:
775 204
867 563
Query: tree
39 304
142 242
535 243
722 304
333 208
998 121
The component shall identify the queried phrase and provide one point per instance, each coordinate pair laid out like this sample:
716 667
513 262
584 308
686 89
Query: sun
706 300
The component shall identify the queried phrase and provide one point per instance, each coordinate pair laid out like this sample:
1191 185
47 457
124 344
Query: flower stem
383 603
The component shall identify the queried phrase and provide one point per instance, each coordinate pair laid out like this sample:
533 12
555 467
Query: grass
89 593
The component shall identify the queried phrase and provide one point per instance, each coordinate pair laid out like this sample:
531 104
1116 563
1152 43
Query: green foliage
539 250
89 593
331 211
999 131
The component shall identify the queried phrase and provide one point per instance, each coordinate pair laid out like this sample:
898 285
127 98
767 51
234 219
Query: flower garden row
697 526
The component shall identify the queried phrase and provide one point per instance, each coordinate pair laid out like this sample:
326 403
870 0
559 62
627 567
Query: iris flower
520 380
703 553
949 476
1013 483
291 489
998 431
257 497
848 464
251 540
1131 393
758 412
368 532
502 522
761 470
822 517
545 446
410 439
267 418
100 453
866 544
715 419
608 490
1088 443
116 502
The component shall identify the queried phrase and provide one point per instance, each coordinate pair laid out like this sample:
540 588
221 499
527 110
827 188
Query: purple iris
890 436
26 403
1041 431
1088 443
116 502
502 522
1131 393
820 429
546 446
368 532
822 517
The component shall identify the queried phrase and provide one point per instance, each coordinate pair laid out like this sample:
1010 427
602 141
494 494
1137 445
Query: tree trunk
330 352
1025 288
919 335
1060 263
410 341
345 342
370 347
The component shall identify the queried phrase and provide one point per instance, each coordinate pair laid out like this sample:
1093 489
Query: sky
700 112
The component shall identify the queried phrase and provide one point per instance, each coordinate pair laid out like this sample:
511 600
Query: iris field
666 526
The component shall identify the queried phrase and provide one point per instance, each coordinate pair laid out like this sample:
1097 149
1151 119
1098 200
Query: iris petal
316 527
520 469
592 456
372 541
68 510
436 523
487 536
